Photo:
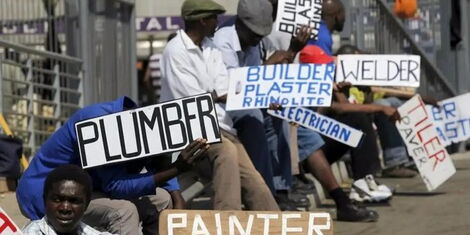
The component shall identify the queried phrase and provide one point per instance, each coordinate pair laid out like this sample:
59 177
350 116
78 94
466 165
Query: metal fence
377 29
39 91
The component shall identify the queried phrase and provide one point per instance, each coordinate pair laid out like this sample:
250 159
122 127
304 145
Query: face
247 37
65 205
210 25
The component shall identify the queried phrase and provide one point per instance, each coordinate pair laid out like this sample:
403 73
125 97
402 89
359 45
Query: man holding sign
115 186
192 64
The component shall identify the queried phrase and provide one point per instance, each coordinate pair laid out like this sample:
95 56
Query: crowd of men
251 167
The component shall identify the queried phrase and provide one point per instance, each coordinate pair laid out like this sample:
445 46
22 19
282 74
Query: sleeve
171 185
115 182
229 55
181 78
222 78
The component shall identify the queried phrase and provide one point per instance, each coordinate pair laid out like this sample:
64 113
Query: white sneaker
363 192
375 186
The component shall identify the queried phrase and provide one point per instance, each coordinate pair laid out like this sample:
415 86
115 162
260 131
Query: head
348 49
334 15
67 193
201 16
254 21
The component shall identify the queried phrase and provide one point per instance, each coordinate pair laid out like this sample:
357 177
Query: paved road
412 211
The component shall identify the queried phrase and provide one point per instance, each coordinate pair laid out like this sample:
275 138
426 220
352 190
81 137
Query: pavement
412 210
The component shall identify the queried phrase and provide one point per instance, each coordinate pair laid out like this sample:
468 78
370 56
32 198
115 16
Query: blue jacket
61 148
324 39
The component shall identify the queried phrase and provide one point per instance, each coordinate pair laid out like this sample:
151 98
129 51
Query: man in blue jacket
121 198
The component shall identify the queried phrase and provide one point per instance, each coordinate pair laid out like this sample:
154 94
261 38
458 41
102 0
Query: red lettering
7 223
431 141
436 156
423 111
420 131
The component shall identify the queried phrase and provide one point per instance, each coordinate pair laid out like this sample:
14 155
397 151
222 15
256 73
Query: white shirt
187 70
226 39
41 227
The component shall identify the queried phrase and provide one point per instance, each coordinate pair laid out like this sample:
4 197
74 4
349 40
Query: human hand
274 106
298 42
279 57
392 113
191 154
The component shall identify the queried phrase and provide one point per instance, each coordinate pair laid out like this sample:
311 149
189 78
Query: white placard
422 141
292 14
7 226
321 124
379 70
147 131
285 84
452 119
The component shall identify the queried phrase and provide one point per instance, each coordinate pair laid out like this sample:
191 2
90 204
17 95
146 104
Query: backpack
405 8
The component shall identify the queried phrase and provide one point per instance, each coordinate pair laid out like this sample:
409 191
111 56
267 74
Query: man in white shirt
191 65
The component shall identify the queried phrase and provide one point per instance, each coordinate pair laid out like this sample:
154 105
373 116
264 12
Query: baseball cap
312 54
256 15
198 9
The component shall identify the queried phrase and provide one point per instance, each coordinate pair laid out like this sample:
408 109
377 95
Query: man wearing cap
191 65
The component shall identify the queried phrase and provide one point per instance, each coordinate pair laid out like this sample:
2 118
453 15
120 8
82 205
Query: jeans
394 149
266 142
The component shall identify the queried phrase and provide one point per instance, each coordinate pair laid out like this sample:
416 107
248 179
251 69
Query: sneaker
353 213
399 172
284 203
374 185
367 190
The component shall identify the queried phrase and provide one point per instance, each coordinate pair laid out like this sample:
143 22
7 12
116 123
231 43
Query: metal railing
39 91
377 29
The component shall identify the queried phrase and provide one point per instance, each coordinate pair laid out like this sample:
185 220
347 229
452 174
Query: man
261 138
121 198
67 194
191 65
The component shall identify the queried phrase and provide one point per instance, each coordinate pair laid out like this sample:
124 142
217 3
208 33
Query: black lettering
411 71
169 123
109 158
83 142
349 72
401 71
144 121
364 70
188 117
122 138
207 113
389 78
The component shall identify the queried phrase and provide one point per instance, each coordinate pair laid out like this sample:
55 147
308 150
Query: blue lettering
312 120
253 74
449 109
325 88
259 101
287 74
304 75
248 88
335 130
330 72
274 88
265 73
345 134
436 113
312 88
290 113
298 114
316 71
287 87
450 127
321 125
247 101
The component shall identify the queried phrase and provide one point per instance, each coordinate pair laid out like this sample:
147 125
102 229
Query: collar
46 228
123 103
234 38
188 43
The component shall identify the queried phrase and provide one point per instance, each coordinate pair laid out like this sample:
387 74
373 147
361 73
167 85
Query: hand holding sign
298 42
191 154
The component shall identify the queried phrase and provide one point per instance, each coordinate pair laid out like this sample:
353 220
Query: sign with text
7 226
379 70
174 222
452 119
424 146
285 84
321 124
151 130
292 14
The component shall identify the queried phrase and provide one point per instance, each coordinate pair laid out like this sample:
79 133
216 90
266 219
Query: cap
198 9
257 15
312 54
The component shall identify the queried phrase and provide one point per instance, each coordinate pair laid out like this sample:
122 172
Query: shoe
367 190
284 203
353 213
399 172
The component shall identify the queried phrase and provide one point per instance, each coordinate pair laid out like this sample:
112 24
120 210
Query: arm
365 108
178 200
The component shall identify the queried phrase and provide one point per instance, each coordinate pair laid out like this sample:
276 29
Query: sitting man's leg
149 207
112 215
255 193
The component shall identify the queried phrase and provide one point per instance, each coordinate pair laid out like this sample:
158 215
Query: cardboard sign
7 226
174 222
147 131
321 124
292 14
424 146
379 70
452 119
284 84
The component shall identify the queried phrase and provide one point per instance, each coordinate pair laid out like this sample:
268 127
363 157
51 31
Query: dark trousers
365 157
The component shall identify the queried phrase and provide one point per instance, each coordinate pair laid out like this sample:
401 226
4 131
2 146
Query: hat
198 9
257 15
312 54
